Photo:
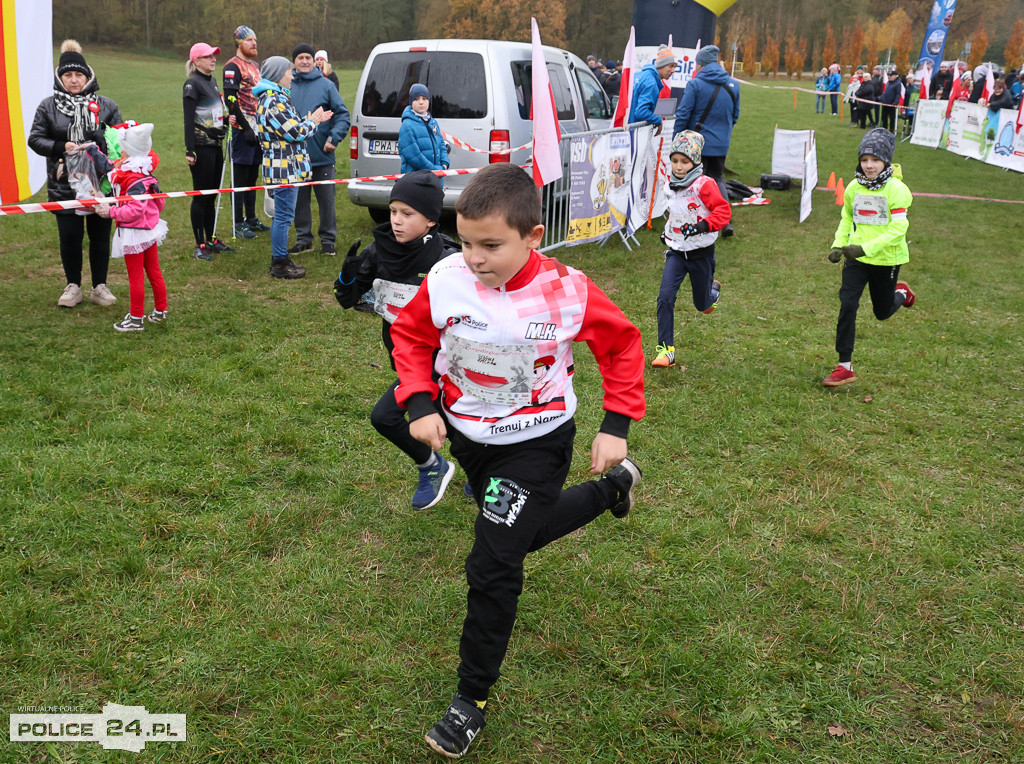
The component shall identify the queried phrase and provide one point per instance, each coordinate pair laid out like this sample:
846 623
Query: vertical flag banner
26 58
547 161
934 39
626 83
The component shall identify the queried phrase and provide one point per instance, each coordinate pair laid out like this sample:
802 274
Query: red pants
149 262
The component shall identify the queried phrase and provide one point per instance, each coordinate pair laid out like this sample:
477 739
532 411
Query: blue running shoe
433 481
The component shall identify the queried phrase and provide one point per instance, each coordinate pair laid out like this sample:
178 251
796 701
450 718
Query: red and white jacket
505 362
701 200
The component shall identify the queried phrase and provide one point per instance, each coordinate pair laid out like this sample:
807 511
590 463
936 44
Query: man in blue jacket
310 89
647 86
710 106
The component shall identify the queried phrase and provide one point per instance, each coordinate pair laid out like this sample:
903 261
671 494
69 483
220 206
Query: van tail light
353 143
500 144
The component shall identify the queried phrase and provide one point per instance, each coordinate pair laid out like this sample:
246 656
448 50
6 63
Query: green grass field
200 519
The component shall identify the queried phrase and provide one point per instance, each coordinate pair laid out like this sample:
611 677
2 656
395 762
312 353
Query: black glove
853 251
251 138
689 229
835 255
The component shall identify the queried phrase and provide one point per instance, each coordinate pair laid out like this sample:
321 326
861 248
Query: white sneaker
71 297
102 296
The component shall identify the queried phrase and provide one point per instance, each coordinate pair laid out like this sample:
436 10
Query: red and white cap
201 49
321 54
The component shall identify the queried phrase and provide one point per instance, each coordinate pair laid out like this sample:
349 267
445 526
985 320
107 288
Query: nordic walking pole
231 137
216 213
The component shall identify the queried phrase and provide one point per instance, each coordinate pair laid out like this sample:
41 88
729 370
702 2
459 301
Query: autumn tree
796 54
507 20
855 44
1014 53
872 31
979 45
904 44
748 43
891 30
830 50
770 56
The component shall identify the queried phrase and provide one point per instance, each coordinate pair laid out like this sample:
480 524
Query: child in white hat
140 230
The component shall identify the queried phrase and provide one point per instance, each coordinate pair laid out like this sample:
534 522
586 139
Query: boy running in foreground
502 319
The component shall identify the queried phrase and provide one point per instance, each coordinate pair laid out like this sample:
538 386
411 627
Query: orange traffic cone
831 181
840 191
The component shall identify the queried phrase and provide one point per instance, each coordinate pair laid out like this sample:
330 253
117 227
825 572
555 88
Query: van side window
457 84
522 72
594 98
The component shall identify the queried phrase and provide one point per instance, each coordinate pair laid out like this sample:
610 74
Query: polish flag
626 83
547 161
1020 116
926 83
990 85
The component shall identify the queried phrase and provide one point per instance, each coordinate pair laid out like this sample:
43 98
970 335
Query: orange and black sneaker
666 357
840 376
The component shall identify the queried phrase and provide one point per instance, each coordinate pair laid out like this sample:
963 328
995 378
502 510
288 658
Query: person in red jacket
472 336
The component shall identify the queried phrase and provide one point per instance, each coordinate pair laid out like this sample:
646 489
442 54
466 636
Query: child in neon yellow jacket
872 236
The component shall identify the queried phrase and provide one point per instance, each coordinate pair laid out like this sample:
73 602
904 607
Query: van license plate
384 147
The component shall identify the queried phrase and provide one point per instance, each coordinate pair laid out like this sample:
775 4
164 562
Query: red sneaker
840 376
911 297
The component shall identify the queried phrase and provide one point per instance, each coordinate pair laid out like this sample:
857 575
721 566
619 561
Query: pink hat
201 49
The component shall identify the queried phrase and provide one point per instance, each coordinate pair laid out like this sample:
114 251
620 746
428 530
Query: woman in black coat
74 115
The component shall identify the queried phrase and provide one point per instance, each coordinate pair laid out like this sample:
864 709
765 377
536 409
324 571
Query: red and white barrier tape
466 147
74 204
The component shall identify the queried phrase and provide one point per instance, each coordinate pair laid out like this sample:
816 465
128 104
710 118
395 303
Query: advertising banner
599 171
1007 146
967 130
647 183
934 39
929 119
684 63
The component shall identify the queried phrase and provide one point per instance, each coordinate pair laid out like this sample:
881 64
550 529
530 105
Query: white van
479 93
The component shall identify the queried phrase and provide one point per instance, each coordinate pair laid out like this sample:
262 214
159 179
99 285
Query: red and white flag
626 83
547 161
1020 116
925 84
990 85
955 90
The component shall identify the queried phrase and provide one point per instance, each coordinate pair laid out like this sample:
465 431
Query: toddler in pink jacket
139 226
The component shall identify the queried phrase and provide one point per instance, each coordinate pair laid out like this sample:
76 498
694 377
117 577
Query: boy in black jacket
394 265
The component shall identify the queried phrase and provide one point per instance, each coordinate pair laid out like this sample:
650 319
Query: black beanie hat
878 142
303 47
422 191
72 61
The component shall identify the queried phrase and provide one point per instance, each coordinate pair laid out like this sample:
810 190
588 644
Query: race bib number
500 374
390 297
870 209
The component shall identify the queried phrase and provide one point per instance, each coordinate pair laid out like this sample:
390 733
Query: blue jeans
284 213
702 276
819 105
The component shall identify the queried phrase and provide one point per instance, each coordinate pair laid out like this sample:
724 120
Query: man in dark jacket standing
710 106
942 83
310 89
890 99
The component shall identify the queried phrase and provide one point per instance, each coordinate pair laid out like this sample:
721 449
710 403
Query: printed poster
967 130
1007 146
810 181
599 171
647 198
789 149
929 119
